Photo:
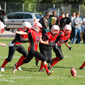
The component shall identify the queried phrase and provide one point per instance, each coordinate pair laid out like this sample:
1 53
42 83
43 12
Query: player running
61 38
17 45
34 37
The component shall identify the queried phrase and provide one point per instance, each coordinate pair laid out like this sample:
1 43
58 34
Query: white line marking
6 80
44 77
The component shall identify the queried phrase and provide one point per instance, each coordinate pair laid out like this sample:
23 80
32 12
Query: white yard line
7 80
11 79
0 75
30 77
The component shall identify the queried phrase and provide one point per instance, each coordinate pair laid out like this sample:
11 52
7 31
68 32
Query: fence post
79 9
23 7
5 7
53 6
29 6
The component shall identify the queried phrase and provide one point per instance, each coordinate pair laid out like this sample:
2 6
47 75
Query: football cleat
41 70
81 68
14 70
2 69
50 72
19 68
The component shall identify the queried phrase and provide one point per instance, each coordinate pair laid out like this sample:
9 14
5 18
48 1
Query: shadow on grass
63 67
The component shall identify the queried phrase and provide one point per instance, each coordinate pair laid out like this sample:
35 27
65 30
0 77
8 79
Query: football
73 72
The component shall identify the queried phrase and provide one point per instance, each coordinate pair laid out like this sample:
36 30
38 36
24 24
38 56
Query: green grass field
30 74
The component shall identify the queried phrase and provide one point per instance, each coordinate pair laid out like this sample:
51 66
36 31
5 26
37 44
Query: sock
21 59
4 63
83 65
55 61
41 67
46 68
19 64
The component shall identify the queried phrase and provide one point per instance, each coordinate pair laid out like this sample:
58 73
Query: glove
11 44
52 44
70 48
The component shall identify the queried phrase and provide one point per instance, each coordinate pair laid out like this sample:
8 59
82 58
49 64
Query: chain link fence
41 8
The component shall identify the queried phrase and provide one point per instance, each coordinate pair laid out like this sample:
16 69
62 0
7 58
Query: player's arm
21 33
3 44
66 43
44 42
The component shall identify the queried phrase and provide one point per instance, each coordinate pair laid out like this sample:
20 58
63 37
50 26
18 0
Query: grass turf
30 74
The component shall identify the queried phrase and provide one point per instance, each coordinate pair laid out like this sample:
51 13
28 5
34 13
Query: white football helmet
26 25
2 26
67 27
55 29
37 26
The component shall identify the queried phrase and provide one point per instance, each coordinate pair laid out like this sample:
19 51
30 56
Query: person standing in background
77 25
54 19
62 21
44 23
72 24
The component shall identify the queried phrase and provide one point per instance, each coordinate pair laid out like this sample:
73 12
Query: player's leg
49 55
41 57
10 56
59 56
28 59
82 66
43 51
24 53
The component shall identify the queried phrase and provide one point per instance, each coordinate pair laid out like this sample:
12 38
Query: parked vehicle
14 20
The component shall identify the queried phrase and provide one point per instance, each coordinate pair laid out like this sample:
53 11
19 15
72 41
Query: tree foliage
48 1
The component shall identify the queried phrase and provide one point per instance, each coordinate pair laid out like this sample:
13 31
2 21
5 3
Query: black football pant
12 50
58 51
46 51
35 54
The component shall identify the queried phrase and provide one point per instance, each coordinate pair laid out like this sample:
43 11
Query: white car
14 20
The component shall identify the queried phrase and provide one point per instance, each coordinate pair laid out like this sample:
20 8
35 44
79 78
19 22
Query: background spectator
54 19
77 25
44 22
83 31
62 21
72 24
67 19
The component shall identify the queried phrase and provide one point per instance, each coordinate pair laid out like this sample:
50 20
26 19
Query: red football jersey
23 36
34 39
50 37
63 38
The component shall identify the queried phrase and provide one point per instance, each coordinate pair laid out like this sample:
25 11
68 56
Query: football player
34 37
1 31
46 49
60 39
17 45
63 38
